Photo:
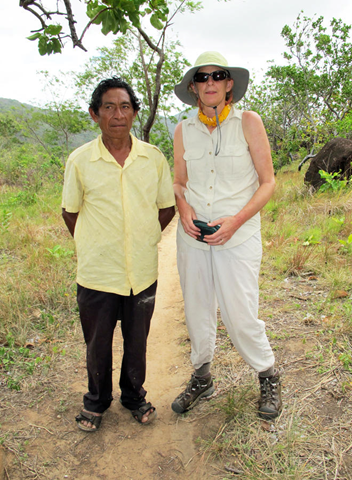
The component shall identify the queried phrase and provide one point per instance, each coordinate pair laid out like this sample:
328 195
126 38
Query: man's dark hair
107 84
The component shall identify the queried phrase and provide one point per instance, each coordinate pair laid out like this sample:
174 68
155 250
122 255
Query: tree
9 130
54 127
60 122
119 16
311 95
132 58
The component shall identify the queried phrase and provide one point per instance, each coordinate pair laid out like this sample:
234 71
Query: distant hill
7 104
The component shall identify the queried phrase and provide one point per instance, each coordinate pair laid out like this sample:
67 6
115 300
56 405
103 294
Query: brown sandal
95 420
142 410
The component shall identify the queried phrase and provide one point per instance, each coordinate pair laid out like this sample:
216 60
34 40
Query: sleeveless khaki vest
219 186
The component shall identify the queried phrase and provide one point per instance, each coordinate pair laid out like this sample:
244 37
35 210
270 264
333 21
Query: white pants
228 278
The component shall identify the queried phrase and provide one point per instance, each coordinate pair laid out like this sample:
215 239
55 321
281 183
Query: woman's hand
187 215
229 225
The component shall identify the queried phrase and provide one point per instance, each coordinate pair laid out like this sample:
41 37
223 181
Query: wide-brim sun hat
240 77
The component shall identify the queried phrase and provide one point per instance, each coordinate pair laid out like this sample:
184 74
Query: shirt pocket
233 161
196 164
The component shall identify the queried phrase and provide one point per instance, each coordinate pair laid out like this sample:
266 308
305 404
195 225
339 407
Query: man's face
116 114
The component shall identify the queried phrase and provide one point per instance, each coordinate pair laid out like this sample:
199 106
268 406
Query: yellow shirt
117 229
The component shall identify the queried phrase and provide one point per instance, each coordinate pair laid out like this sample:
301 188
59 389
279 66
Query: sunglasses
217 76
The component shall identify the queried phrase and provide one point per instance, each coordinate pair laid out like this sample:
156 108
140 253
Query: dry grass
311 438
32 278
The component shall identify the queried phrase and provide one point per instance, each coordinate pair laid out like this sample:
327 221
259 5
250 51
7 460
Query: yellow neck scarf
212 121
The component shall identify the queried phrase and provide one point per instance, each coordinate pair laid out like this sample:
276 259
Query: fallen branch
304 161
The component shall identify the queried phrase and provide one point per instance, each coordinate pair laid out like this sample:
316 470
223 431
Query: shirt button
209 153
208 204
212 171
210 188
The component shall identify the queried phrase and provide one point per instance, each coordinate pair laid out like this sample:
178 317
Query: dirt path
121 449
165 448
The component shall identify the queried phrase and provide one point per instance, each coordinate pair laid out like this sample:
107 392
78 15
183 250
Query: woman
223 176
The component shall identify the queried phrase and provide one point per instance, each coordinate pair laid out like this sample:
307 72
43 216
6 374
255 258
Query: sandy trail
166 448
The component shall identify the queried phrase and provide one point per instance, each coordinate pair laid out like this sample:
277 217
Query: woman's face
212 93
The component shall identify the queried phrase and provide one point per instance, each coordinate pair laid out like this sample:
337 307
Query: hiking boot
270 402
197 388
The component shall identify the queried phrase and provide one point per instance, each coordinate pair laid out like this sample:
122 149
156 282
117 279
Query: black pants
99 312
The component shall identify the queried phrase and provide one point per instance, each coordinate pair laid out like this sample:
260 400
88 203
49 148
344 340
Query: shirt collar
138 150
99 151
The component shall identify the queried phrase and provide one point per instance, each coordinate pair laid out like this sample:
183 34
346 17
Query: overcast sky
246 32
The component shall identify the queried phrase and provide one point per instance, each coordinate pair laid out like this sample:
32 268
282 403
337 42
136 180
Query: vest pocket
196 164
233 160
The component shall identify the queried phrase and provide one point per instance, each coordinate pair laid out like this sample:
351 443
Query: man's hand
165 216
70 220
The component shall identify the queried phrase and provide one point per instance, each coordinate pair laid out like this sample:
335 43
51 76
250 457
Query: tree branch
35 135
145 70
148 40
326 101
71 23
92 21
149 123
47 14
36 15
307 157
175 13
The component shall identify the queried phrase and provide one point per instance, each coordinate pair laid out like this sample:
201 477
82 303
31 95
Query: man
117 198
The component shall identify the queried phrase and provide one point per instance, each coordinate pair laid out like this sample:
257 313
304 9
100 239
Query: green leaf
108 22
95 12
123 26
134 17
34 37
49 48
93 8
43 45
53 29
156 23
56 45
